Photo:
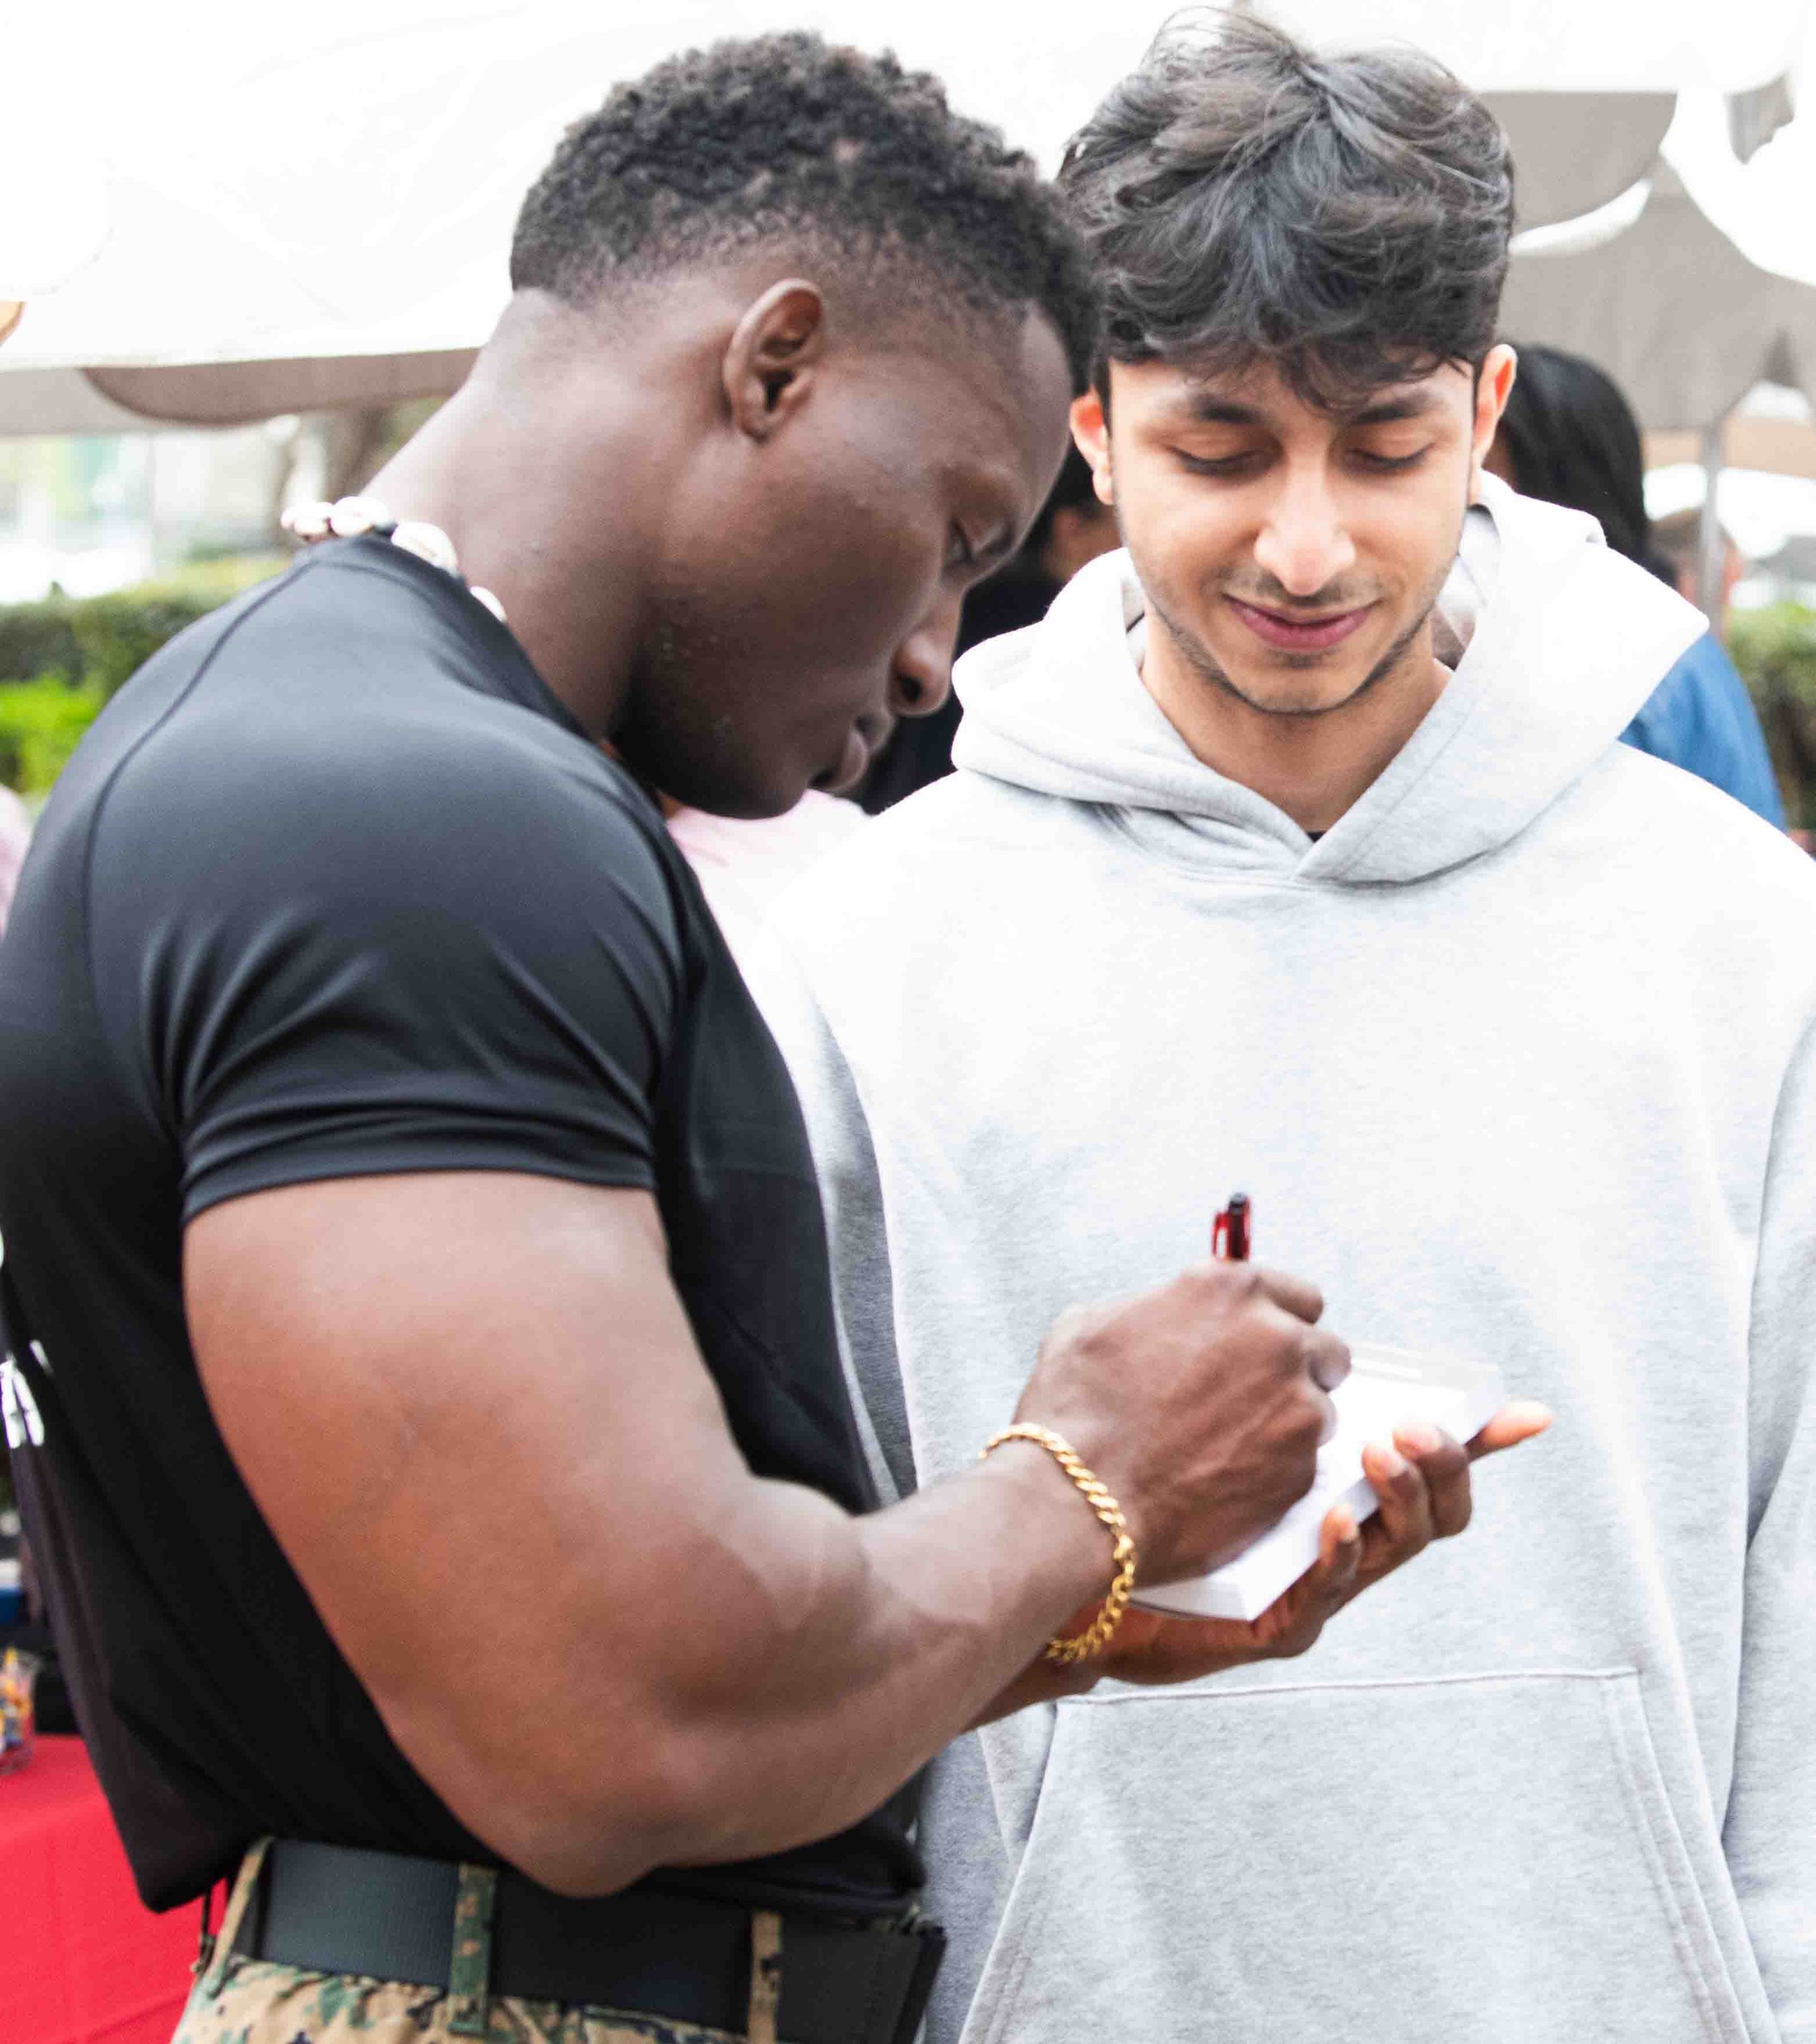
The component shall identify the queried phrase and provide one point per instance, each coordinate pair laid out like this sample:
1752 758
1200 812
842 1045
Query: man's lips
1297 635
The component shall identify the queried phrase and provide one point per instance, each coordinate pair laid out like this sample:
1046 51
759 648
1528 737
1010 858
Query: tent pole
1711 544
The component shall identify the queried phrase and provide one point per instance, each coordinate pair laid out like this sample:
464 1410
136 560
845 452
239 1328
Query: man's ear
774 352
1494 385
1091 435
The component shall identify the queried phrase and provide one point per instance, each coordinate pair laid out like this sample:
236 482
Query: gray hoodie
1519 1062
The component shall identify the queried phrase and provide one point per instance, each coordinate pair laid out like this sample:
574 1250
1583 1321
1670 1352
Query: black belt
332 1909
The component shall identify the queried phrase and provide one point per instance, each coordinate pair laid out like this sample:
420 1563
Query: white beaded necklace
354 516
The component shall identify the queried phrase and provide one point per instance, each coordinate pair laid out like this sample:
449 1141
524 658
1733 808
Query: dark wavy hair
787 138
1345 218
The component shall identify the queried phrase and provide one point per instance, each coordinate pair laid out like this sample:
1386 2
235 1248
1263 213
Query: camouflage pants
257 2002
241 2000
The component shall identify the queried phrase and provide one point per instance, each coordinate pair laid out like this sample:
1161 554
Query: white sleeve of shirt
1770 1834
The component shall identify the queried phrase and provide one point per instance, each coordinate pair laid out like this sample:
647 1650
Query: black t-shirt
336 887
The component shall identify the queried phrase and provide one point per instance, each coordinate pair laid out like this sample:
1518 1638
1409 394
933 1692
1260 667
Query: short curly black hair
787 137
1345 219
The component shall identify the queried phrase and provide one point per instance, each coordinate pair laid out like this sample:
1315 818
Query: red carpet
82 1960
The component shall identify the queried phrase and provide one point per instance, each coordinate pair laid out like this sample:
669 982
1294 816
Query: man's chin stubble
1199 659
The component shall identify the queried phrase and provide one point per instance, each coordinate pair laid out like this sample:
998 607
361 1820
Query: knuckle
1239 1282
1314 1417
1450 1466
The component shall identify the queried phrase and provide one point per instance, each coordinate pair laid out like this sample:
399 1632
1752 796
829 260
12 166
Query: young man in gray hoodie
1296 851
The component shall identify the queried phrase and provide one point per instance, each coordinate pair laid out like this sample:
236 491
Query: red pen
1230 1232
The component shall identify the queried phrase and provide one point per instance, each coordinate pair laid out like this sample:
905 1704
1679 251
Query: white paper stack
1386 1388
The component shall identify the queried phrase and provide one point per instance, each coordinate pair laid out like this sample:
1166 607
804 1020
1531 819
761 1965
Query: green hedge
1775 649
61 658
96 641
41 723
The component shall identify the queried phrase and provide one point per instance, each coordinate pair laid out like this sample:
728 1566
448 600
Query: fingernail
1420 1440
1392 1464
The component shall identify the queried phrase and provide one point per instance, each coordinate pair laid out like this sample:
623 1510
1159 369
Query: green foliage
41 723
37 639
96 641
61 658
1775 649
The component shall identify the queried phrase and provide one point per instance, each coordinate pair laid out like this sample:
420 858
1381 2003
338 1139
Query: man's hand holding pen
1421 1477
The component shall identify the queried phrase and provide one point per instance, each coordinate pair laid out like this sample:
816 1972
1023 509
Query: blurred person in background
1074 527
1677 544
1567 436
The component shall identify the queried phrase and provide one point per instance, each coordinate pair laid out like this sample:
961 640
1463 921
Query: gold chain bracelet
1098 1633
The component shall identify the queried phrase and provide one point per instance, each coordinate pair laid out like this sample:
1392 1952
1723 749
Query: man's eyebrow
1212 410
1389 411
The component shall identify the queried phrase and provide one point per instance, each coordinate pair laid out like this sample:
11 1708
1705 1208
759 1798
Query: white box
1386 1388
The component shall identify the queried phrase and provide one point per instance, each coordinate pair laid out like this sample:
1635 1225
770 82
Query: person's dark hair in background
1568 435
1072 528
1355 210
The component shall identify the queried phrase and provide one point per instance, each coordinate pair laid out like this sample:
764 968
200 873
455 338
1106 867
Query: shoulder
1699 823
1704 878
342 801
386 744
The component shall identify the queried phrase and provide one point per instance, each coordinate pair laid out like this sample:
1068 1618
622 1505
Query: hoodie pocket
1492 1859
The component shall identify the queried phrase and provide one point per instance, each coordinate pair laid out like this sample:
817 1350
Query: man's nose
921 677
1304 544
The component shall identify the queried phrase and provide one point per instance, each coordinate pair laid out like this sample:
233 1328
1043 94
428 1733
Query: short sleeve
473 963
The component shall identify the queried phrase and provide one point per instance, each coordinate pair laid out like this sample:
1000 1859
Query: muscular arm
451 1392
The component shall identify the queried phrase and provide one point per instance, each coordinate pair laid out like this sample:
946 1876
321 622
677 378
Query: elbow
582 1815
572 1855
596 1844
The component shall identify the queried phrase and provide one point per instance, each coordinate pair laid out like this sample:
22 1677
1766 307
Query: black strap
332 1909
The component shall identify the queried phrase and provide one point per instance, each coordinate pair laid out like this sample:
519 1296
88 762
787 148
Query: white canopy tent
1683 321
285 188
1680 319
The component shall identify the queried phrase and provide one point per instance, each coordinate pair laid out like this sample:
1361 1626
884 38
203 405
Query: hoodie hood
1556 641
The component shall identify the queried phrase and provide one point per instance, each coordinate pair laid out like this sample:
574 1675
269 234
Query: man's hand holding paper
1422 1481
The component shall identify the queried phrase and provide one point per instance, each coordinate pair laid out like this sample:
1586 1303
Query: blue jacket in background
1701 718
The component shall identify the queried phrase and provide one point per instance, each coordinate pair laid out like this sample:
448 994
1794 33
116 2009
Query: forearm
956 1590
837 1655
